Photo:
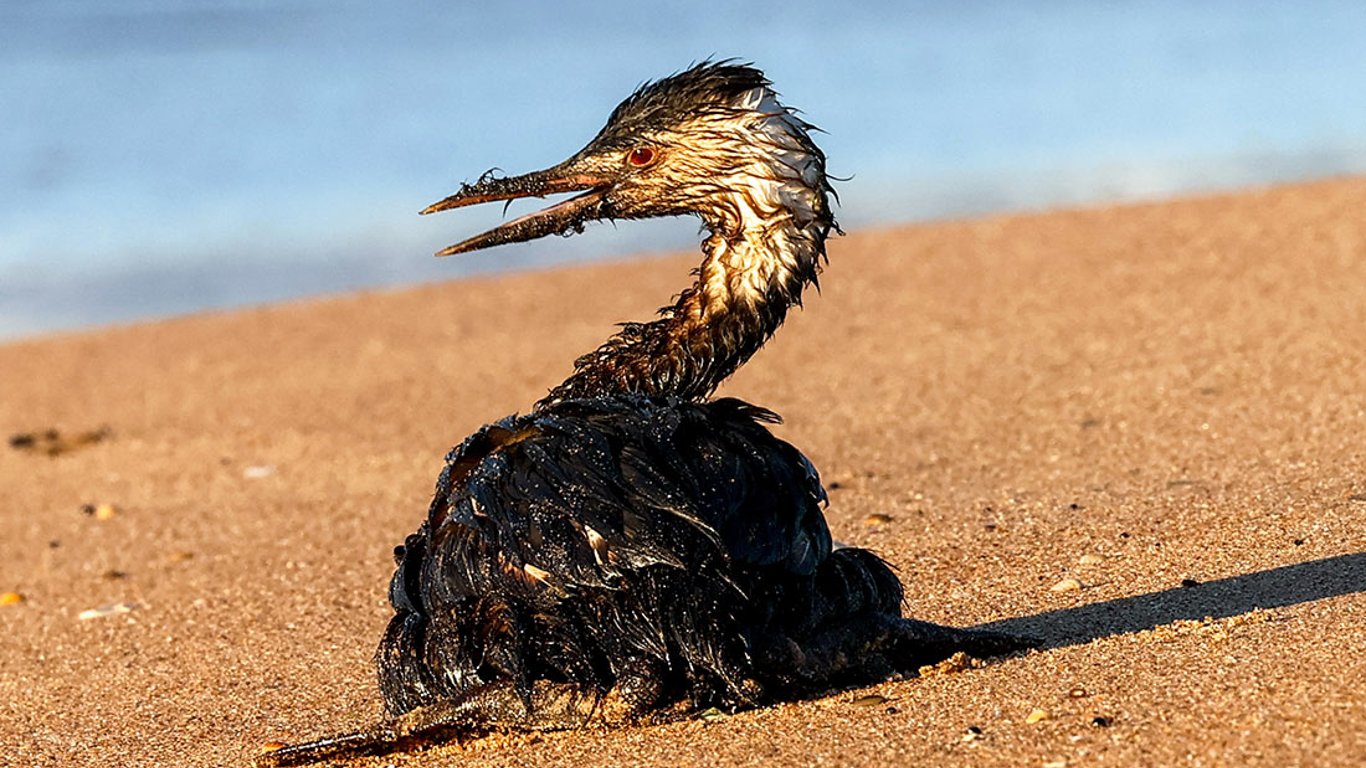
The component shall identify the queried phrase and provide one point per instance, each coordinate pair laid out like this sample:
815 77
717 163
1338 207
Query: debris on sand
959 662
103 511
712 715
52 442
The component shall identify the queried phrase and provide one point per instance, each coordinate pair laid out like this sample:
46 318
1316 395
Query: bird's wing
587 489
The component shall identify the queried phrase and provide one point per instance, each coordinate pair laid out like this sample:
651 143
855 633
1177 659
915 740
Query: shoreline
379 266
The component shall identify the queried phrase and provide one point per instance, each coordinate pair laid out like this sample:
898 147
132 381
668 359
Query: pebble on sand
11 598
1037 716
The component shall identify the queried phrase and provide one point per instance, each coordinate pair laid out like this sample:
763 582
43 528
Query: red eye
641 157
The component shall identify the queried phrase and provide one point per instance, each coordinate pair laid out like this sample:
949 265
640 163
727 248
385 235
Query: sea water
167 156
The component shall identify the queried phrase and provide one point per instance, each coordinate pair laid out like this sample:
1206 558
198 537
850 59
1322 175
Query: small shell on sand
112 609
1037 716
1066 585
871 700
11 598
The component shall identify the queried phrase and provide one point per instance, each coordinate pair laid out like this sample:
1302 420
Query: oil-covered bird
630 546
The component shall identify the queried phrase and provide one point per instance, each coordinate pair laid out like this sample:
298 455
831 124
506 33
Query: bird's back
672 551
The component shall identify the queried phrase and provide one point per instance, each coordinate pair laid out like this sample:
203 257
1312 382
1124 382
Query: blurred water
167 156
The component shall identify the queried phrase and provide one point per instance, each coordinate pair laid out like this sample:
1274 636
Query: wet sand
1164 403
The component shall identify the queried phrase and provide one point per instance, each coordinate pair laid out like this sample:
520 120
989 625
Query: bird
632 548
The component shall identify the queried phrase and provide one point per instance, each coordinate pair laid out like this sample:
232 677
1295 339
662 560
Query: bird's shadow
1273 588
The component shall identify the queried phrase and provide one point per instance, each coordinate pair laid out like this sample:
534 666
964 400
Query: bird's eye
641 157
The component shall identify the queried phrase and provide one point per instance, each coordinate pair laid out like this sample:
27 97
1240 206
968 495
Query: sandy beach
1136 432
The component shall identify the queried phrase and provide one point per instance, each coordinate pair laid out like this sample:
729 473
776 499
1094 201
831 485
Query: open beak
560 218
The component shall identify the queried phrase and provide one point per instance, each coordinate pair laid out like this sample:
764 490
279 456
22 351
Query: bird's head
713 141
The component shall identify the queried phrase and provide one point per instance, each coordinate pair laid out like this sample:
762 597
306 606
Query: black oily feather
716 554
704 86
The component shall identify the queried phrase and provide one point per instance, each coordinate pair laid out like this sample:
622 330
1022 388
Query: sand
1130 398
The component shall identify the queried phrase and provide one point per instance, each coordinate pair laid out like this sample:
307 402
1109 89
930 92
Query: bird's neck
758 261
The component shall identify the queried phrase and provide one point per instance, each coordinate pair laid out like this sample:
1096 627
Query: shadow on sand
1274 588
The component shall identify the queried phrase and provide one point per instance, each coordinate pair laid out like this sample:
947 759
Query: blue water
166 156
